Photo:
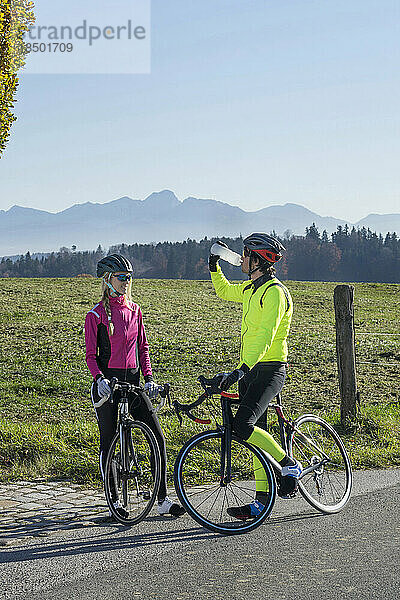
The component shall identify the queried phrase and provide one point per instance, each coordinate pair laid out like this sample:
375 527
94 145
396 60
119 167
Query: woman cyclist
116 346
267 314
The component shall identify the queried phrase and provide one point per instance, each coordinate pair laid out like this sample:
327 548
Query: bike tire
198 486
328 488
137 488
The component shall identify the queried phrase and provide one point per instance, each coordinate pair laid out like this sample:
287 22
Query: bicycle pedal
287 496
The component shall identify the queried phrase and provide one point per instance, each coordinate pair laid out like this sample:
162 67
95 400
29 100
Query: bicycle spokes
208 496
326 478
133 472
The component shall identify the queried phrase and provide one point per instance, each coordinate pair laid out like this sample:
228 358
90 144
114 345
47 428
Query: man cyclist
267 314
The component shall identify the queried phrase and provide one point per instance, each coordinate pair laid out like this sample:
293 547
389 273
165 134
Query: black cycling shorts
256 390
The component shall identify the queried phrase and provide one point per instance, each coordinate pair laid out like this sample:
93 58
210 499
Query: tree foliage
356 255
16 16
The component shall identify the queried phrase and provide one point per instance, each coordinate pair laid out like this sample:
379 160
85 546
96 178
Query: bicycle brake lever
164 392
178 413
210 386
113 381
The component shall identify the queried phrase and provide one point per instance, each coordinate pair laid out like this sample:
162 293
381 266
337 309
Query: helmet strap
251 271
258 267
111 287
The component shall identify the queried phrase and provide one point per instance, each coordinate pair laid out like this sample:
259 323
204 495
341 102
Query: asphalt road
296 553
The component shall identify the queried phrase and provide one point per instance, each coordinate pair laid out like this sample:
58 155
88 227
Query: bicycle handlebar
125 388
211 388
187 408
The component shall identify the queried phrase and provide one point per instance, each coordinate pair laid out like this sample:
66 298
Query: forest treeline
345 255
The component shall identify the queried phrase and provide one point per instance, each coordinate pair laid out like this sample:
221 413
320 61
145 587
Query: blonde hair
105 298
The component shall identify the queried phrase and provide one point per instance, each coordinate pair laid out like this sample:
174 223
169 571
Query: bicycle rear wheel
132 474
327 484
197 477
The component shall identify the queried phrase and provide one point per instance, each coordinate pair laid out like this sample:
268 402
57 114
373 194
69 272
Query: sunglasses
124 277
246 251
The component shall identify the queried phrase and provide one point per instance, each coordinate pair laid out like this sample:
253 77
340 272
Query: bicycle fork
226 446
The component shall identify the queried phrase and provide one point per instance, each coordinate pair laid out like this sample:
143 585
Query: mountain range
159 217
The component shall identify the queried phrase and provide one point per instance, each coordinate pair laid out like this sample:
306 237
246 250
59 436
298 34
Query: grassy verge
47 425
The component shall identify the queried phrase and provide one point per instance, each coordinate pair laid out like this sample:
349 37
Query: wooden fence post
345 351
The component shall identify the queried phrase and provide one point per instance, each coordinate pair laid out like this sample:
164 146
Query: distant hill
159 217
381 223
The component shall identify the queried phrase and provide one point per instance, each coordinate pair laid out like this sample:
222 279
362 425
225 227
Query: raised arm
226 290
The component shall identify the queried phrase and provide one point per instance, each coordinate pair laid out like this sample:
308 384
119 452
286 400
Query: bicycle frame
307 437
284 423
286 427
226 442
123 424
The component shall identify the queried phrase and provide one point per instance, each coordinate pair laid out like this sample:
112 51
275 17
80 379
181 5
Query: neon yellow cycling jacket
267 314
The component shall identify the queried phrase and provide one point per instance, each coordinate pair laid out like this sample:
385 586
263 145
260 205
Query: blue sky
248 102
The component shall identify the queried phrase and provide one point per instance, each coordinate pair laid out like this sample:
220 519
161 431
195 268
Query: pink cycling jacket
127 348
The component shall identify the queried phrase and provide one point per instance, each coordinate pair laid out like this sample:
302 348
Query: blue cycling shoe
289 480
248 511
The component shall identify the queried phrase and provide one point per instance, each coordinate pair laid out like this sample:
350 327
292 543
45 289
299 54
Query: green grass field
47 424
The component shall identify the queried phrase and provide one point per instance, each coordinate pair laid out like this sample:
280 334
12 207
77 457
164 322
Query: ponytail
106 302
105 299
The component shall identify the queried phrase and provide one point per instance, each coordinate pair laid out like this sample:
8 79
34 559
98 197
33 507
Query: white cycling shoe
168 507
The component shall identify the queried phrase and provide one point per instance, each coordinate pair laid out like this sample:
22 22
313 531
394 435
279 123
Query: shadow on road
101 542
104 543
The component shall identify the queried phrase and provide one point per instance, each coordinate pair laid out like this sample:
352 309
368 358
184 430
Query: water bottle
226 254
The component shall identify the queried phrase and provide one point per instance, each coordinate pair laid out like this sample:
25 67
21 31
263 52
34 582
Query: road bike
133 466
215 470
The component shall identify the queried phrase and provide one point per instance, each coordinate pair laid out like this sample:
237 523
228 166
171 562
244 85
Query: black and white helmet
112 264
266 246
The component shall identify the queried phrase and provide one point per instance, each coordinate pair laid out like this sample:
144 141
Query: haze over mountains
160 217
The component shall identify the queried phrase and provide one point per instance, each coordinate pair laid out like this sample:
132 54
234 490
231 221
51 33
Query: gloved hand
103 387
234 376
151 388
214 258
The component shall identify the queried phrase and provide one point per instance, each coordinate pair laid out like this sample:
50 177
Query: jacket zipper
244 321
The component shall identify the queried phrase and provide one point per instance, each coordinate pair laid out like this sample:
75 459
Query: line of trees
346 255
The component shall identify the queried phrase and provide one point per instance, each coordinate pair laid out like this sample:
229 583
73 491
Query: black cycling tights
107 417
256 390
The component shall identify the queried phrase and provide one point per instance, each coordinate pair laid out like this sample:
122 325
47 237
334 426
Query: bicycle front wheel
207 496
132 475
327 480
